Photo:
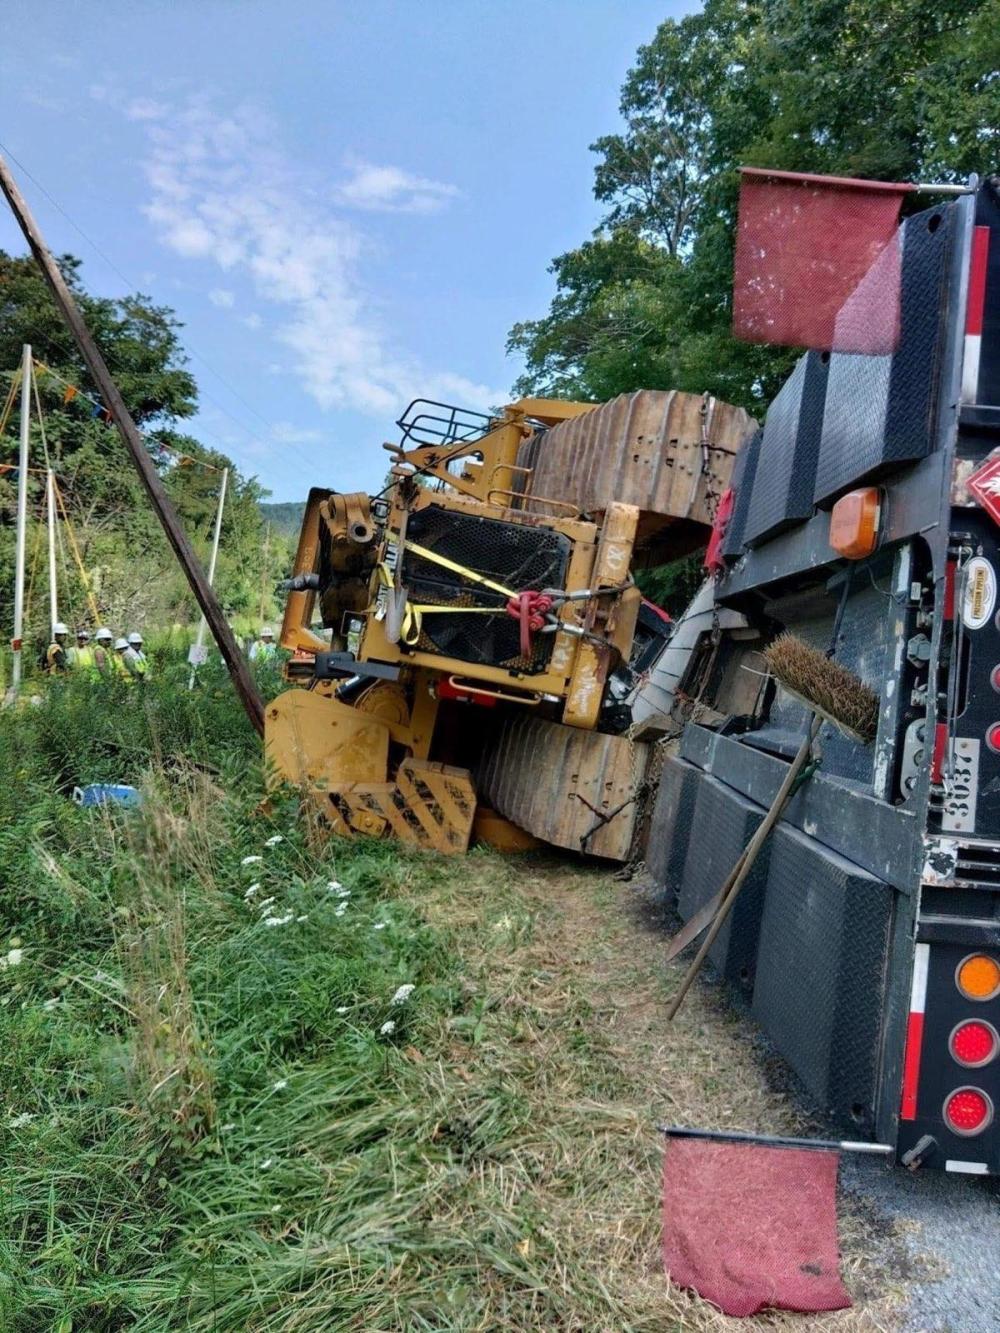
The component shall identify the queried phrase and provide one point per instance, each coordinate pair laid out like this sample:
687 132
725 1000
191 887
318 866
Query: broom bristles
825 686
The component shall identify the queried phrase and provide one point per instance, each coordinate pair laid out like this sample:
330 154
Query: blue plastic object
107 793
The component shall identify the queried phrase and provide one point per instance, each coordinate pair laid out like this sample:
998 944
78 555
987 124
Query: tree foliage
129 565
888 89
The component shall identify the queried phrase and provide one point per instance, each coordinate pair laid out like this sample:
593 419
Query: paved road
950 1229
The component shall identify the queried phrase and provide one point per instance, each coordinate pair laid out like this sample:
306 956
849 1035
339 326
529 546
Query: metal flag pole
199 643
50 518
22 519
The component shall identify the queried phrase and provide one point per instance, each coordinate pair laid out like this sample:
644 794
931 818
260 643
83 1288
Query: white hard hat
83 634
103 633
121 643
59 628
135 637
266 632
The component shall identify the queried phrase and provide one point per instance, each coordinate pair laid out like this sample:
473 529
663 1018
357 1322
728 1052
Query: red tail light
968 1111
974 1043
993 737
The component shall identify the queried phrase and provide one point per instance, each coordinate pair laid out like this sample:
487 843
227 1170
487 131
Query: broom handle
748 859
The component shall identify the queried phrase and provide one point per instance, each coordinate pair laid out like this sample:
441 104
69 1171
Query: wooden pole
22 520
211 573
150 478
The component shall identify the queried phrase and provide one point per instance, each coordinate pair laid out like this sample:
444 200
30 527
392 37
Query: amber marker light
854 523
978 977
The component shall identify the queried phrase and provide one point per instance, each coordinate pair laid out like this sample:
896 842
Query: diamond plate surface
880 409
821 970
789 451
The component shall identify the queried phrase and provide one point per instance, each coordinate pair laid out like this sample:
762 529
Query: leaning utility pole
22 519
151 480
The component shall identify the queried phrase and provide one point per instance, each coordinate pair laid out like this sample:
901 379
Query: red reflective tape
937 756
16 645
911 1066
949 590
977 280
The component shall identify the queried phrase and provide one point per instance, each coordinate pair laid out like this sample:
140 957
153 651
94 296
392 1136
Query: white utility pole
50 516
196 655
22 518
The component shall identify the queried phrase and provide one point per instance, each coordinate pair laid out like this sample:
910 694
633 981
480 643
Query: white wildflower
19 1121
275 1207
379 925
341 1008
278 920
267 1162
14 957
265 902
403 993
387 1028
273 841
341 910
333 885
252 891
226 1128
251 860
281 1083
304 917
49 1005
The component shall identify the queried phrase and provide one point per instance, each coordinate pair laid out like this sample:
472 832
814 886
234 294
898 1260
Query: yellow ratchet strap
414 613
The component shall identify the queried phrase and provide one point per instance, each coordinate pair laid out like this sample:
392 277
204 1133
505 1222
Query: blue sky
347 204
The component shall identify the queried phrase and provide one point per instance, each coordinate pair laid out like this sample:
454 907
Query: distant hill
285 519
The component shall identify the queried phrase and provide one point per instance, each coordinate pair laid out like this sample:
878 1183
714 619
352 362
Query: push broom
833 694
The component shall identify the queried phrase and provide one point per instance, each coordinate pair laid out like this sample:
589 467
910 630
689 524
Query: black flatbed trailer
868 933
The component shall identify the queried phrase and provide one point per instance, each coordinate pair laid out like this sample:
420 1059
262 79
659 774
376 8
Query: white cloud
222 297
253 320
285 433
145 108
222 192
386 189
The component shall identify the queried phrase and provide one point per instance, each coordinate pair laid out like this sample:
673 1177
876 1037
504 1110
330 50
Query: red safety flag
69 395
806 247
752 1228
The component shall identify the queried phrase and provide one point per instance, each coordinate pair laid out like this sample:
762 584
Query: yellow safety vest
82 659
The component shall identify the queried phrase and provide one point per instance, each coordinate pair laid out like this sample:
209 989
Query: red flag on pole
752 1228
804 246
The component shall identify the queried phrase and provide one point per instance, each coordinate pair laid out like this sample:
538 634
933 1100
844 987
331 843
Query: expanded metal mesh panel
821 973
723 825
789 450
880 409
514 555
744 474
670 826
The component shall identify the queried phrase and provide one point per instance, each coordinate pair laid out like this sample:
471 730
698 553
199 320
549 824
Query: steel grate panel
518 556
821 973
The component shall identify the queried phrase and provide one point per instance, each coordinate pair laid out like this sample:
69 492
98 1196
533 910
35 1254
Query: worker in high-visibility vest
104 656
81 657
56 660
136 657
121 665
265 647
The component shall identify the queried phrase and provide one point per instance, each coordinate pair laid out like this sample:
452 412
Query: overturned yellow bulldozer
480 633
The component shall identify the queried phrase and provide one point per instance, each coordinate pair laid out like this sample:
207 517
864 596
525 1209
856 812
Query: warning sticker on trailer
980 582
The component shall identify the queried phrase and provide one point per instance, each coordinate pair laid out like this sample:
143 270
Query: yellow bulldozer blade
317 743
575 789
